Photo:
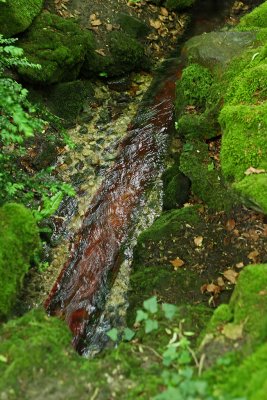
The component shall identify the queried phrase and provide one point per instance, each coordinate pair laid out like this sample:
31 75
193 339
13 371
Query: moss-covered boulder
207 182
254 20
17 15
176 188
58 45
178 4
253 190
18 240
133 26
66 100
244 142
193 88
126 54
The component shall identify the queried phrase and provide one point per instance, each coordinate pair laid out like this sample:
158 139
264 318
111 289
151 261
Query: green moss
196 126
194 86
74 94
253 189
220 317
249 87
58 45
244 139
178 4
207 183
176 188
169 222
18 241
17 15
257 18
249 305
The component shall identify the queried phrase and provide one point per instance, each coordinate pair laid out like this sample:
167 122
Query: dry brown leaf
233 331
96 22
177 263
92 17
252 170
198 241
164 11
109 27
253 255
240 265
230 224
101 52
263 293
231 275
155 23
210 288
220 282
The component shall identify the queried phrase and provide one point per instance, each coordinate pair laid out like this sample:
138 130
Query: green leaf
185 357
151 305
151 325
128 334
210 166
3 358
169 356
141 316
169 310
113 334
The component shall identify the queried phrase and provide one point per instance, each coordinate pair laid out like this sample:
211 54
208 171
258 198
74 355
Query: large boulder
17 15
58 45
18 240
217 48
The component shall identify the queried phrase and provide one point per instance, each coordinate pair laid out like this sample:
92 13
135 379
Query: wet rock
83 130
134 27
217 48
120 85
176 188
47 155
16 18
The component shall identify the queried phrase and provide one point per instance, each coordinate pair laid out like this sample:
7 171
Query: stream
98 250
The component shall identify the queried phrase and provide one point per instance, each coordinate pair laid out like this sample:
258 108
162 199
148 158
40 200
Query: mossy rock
58 45
169 222
253 190
17 15
178 4
176 188
250 87
244 142
256 19
207 182
193 87
134 27
18 240
197 126
66 100
126 54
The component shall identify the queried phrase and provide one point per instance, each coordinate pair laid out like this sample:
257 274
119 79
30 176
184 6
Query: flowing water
81 290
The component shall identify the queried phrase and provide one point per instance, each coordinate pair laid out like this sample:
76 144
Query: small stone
83 130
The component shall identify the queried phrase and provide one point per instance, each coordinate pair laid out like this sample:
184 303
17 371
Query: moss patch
244 142
253 189
58 45
18 241
257 18
17 15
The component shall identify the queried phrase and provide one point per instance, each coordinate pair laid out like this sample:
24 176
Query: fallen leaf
101 52
240 265
233 331
230 224
109 27
253 255
210 288
155 23
96 22
92 17
263 293
220 281
198 241
164 11
177 263
231 275
252 170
